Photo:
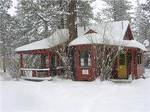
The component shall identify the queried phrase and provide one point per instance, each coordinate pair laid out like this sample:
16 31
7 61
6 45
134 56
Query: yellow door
122 68
122 72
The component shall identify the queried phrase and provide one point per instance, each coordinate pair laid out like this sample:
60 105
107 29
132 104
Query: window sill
85 67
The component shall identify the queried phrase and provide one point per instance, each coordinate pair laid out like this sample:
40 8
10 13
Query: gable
128 34
90 31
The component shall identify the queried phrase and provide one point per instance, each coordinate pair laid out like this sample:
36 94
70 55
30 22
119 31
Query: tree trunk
72 20
4 59
62 20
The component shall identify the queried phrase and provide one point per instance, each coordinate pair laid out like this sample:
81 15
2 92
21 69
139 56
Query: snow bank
70 96
4 76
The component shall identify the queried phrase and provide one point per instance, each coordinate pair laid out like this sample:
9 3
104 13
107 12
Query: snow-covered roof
95 38
58 37
133 43
109 30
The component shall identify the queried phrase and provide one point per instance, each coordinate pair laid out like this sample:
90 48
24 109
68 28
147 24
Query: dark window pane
139 58
84 58
122 59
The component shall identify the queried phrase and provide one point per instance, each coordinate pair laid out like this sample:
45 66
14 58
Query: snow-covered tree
84 12
141 23
144 21
7 31
38 17
106 57
117 10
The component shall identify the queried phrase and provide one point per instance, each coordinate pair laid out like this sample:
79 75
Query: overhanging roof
95 38
58 37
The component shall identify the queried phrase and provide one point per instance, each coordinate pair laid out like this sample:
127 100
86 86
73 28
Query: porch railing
33 72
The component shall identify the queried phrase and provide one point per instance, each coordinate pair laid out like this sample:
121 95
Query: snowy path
69 96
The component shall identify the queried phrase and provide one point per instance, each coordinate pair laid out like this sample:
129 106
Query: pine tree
141 23
39 18
7 31
117 10
84 12
144 21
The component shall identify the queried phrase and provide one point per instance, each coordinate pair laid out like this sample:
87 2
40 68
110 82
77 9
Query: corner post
49 63
21 62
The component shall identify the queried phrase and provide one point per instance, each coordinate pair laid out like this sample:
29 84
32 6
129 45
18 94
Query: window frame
85 58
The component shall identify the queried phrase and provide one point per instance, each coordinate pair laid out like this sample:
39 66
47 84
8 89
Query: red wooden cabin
111 34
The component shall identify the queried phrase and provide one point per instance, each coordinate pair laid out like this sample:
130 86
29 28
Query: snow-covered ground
72 96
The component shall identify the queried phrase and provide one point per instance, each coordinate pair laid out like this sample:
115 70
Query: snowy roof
133 43
58 37
95 38
115 30
109 30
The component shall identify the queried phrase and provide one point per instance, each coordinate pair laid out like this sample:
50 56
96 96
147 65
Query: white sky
97 5
12 10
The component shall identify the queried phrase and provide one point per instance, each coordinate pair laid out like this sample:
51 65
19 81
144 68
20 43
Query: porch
40 64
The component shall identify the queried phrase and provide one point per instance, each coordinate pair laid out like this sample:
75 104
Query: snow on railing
33 72
35 69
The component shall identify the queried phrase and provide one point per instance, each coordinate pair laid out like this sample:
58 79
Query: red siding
78 69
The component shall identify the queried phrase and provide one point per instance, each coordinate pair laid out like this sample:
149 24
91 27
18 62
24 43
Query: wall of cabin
84 73
140 63
131 66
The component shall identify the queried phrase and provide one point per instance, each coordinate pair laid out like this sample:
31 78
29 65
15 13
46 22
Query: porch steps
37 79
121 80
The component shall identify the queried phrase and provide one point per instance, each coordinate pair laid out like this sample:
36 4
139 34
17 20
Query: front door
85 64
53 64
122 68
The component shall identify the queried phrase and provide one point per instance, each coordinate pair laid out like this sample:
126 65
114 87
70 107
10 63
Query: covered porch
44 64
47 60
128 64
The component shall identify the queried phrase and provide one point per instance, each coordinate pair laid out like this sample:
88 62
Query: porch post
134 66
21 62
43 60
58 71
93 57
132 63
49 63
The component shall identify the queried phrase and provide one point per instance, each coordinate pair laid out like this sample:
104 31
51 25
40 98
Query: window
85 60
54 61
129 58
122 59
139 58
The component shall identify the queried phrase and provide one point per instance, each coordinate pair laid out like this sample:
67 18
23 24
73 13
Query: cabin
116 34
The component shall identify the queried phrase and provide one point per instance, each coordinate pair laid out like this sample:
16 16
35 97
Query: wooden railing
33 72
